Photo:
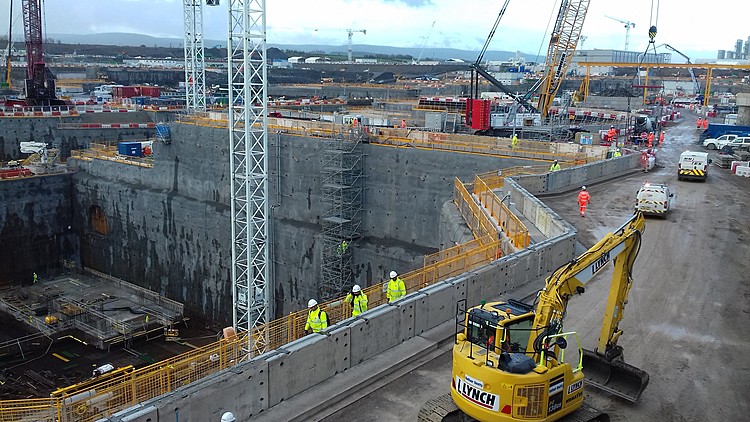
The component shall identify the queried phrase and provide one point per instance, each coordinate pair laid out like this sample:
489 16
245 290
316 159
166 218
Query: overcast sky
697 30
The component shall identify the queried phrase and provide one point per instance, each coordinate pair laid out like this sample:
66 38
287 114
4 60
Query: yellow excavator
509 358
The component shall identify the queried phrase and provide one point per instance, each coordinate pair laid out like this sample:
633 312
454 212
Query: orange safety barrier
513 228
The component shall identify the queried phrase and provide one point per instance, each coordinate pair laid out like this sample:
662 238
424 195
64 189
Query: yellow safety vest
554 167
359 303
396 289
317 320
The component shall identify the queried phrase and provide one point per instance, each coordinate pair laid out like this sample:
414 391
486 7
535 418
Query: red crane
40 83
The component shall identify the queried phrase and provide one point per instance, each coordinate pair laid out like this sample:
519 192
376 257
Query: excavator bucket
615 377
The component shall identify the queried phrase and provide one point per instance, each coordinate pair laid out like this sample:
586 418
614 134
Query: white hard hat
312 303
356 288
227 417
583 188
394 274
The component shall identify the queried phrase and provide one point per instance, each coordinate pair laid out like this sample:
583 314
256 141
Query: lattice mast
195 64
248 102
562 45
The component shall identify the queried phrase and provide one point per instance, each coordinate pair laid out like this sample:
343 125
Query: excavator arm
603 366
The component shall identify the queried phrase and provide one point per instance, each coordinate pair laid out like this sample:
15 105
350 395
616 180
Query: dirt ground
686 322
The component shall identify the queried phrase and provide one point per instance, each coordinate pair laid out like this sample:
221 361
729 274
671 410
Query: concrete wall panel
409 308
305 363
437 306
485 282
376 331
244 391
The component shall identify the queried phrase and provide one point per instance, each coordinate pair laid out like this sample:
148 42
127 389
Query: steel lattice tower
195 64
248 101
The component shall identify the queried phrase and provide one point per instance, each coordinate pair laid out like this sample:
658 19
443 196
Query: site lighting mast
628 25
248 162
351 32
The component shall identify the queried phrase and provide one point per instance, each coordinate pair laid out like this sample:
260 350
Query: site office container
131 149
124 92
135 91
150 91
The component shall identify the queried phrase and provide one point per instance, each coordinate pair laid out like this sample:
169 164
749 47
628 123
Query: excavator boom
603 366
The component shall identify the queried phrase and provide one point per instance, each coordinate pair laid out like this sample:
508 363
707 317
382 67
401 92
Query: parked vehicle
738 143
713 143
717 129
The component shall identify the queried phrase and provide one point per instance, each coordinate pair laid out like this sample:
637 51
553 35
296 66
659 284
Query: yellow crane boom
562 45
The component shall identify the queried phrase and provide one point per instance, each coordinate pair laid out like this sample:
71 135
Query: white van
654 199
693 165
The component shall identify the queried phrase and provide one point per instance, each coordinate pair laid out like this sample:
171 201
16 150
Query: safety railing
513 228
106 153
90 400
478 222
436 267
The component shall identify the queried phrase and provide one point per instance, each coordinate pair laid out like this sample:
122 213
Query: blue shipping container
132 149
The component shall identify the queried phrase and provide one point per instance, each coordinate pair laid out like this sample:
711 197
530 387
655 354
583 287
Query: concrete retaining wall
36 216
303 364
306 362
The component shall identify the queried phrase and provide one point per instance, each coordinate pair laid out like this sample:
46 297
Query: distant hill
128 39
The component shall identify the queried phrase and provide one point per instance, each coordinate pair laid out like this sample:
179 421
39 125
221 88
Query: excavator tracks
443 409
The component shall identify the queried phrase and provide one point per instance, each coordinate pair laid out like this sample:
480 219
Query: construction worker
555 166
514 141
396 288
358 299
617 153
661 138
651 139
612 134
403 123
705 123
699 123
342 247
317 320
35 277
583 200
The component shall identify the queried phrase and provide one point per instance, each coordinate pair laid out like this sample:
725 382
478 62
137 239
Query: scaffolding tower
343 198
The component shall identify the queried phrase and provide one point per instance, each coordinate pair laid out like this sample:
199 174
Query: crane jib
592 269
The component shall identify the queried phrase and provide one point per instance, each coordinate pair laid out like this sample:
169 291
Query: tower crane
9 55
628 25
351 32
696 85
